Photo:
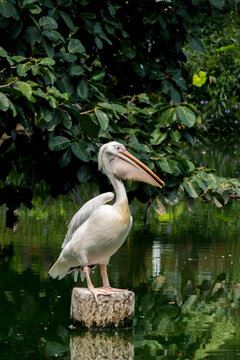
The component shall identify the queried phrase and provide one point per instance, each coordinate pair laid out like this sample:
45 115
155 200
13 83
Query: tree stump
113 310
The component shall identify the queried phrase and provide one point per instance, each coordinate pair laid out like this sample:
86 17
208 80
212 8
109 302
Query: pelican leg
94 291
106 285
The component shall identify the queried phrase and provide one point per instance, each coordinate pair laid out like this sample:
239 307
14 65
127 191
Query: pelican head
114 157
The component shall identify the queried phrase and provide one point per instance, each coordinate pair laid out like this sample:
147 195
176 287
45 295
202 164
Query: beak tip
162 184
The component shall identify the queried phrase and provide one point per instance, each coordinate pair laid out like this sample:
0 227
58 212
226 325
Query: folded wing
83 214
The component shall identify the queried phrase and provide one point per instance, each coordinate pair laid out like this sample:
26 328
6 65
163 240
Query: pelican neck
120 191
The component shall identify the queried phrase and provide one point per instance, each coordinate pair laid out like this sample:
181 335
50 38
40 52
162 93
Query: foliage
73 77
217 99
189 326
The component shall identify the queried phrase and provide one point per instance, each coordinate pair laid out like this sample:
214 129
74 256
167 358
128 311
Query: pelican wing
83 214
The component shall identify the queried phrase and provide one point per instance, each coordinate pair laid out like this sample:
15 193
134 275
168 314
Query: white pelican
98 230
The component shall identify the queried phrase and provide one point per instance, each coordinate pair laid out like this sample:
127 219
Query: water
183 267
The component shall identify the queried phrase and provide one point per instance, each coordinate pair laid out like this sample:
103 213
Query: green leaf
84 173
66 119
188 137
88 124
174 196
33 35
112 10
201 183
58 143
50 126
65 158
195 43
174 93
139 68
191 166
50 75
4 102
49 49
159 207
68 20
226 48
65 85
186 115
46 113
98 75
217 202
167 117
75 46
77 70
18 59
3 52
157 137
128 50
167 165
175 135
35 9
114 107
24 87
192 188
28 2
70 58
193 108
53 102
82 89
199 80
7 9
217 3
179 81
185 166
40 93
98 42
102 119
143 98
52 35
12 107
47 61
79 150
21 71
36 70
226 196
162 21
48 23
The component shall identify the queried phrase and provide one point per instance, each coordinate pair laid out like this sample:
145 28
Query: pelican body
98 230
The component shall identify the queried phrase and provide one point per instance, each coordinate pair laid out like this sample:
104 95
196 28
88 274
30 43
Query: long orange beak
137 170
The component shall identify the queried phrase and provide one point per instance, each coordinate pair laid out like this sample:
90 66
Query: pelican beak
126 166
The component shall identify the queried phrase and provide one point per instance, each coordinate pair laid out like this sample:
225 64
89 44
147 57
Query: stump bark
114 310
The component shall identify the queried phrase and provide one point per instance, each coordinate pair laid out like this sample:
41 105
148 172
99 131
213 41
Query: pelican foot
110 289
99 291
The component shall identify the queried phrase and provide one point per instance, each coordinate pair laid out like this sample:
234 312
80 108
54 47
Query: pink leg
95 291
106 286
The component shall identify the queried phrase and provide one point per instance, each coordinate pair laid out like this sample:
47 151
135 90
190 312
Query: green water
184 268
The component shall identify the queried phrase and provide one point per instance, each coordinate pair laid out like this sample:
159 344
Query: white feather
83 214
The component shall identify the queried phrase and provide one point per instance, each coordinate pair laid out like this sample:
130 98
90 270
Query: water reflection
156 258
184 268
101 345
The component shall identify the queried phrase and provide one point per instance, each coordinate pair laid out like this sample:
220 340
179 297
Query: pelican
98 230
